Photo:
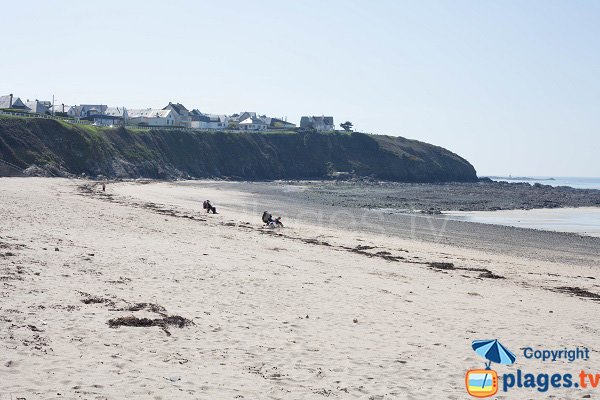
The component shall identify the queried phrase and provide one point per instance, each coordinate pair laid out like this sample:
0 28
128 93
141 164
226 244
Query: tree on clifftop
347 126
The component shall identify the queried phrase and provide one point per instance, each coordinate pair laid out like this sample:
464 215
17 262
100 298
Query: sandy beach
325 307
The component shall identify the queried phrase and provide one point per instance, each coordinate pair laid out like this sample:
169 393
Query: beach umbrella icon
493 351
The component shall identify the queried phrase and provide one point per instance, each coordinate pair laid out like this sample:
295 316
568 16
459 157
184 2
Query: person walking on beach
209 207
103 187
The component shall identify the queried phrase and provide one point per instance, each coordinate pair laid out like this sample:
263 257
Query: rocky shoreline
485 195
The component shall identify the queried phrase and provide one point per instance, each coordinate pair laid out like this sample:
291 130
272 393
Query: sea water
574 182
582 220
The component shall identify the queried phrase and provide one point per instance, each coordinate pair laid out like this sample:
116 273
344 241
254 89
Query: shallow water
584 220
574 182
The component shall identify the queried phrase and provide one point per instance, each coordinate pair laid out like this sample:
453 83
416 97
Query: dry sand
305 312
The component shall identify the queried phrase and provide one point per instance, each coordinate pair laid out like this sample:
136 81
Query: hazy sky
512 86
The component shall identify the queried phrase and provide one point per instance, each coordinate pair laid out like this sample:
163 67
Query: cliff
59 148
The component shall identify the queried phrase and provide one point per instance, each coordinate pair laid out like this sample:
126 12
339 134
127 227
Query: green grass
274 132
4 116
15 110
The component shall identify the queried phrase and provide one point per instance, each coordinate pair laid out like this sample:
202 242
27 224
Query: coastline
336 209
308 311
573 182
434 198
584 221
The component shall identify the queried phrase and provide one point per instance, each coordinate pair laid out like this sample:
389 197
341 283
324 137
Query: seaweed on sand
447 266
163 323
579 292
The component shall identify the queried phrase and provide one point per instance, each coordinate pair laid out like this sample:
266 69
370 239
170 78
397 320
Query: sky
512 86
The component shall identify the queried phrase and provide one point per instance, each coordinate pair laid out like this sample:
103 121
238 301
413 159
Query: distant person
271 222
209 207
267 218
104 187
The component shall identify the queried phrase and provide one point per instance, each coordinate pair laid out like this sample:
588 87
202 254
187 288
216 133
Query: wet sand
342 210
311 311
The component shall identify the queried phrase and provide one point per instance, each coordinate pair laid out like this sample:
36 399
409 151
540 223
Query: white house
110 117
151 117
38 107
86 110
253 124
317 123
106 120
181 114
208 121
235 119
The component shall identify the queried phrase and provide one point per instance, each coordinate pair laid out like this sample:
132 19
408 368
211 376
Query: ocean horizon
570 181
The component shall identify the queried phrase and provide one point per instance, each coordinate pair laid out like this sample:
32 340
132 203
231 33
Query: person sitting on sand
209 207
270 221
267 218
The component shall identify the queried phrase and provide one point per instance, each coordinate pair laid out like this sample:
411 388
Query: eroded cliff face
61 148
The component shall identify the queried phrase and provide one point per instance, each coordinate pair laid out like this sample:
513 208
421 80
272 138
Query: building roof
38 106
59 108
84 109
106 117
199 116
148 113
75 110
16 102
5 101
219 117
242 116
246 114
97 107
178 108
274 121
254 121
116 111
305 121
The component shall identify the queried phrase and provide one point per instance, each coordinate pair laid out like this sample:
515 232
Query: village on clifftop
174 115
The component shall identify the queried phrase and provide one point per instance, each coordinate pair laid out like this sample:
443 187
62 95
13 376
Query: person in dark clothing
209 207
268 219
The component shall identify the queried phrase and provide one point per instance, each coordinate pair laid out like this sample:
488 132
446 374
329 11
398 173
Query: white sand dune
298 313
